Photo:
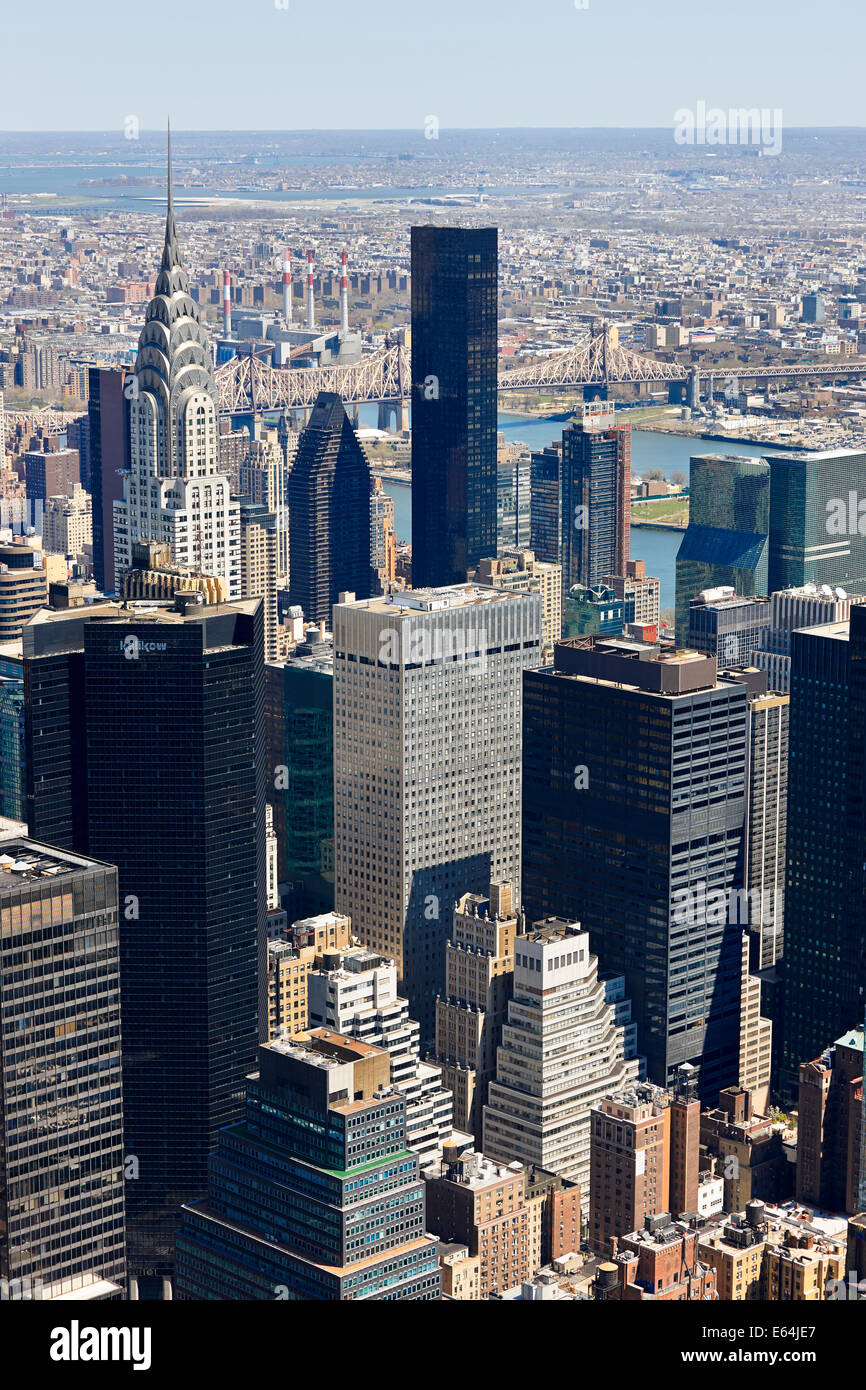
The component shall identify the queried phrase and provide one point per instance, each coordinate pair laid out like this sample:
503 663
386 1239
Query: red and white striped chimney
287 288
311 311
344 298
227 304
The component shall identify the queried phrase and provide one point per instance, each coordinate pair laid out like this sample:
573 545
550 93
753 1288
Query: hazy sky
374 64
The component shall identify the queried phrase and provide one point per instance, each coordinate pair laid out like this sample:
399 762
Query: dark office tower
156 723
300 723
727 627
815 516
546 503
315 1194
823 960
596 469
329 513
633 808
454 397
725 544
61 1112
108 456
852 962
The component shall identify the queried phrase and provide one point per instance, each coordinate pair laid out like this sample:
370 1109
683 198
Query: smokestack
227 305
311 312
287 289
344 298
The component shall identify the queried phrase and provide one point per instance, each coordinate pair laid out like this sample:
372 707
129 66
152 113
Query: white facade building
355 993
174 492
569 1043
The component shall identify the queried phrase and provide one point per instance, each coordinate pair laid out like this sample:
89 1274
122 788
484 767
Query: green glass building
727 538
301 776
817 530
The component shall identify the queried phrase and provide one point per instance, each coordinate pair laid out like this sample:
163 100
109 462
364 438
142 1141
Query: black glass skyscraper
329 513
634 788
825 928
454 395
596 468
161 716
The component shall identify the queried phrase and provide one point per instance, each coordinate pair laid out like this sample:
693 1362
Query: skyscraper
545 506
353 991
726 541
596 472
314 1195
454 399
61 1110
816 502
259 566
174 491
479 964
148 731
427 750
567 1042
300 724
329 513
824 934
633 810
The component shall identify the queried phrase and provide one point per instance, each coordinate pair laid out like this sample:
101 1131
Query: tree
654 475
678 478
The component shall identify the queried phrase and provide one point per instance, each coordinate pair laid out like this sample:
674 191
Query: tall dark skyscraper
596 469
329 513
300 723
149 731
816 962
108 456
61 1112
454 394
545 505
824 960
634 790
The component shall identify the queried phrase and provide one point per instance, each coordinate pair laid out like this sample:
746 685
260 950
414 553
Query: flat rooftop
433 600
26 861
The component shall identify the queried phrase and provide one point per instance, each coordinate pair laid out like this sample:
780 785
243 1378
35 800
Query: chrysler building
174 492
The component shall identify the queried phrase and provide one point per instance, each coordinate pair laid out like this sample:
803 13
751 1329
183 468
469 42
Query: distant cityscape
432 709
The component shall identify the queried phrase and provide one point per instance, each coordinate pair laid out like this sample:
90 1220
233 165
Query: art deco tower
174 491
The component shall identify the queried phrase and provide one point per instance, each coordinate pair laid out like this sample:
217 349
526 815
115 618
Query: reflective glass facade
658 808
454 401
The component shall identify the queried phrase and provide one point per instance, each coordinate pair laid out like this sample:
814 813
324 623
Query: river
648 450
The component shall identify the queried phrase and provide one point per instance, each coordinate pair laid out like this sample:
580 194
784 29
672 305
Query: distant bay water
648 450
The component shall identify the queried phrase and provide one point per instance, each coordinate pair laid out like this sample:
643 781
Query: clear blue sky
380 64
